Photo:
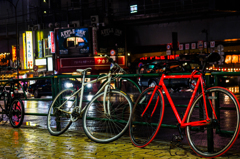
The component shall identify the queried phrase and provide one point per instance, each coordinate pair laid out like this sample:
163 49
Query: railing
56 84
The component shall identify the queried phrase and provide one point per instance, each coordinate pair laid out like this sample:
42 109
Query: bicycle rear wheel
218 137
143 129
58 119
101 126
16 113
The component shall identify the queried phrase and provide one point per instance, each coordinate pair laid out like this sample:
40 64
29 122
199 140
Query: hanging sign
29 49
52 42
212 44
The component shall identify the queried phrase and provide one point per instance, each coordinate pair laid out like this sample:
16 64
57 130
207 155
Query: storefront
74 49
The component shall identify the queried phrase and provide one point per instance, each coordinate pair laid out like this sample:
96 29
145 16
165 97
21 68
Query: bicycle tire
58 121
16 113
101 127
143 129
224 129
3 116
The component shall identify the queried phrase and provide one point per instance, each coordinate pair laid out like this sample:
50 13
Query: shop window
74 42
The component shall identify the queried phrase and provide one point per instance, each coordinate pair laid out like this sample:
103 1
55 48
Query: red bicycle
211 119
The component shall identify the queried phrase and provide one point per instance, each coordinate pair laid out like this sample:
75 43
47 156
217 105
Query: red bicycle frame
161 86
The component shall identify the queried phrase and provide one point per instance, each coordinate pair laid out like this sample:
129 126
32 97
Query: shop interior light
230 40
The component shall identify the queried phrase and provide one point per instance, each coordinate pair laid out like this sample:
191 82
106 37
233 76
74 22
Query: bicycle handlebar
212 57
115 64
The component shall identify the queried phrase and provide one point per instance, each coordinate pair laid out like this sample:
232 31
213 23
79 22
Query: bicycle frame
81 90
105 87
200 82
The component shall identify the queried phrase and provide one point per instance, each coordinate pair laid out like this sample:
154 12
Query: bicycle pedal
177 138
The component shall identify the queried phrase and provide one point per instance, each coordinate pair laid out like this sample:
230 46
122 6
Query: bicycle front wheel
58 119
144 127
16 113
107 124
218 137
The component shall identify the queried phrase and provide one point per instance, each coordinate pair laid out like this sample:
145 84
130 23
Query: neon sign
29 49
52 42
14 53
168 57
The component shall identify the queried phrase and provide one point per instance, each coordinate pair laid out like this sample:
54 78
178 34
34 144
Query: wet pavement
32 140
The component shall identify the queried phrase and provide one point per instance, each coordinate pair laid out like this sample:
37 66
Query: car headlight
68 85
89 85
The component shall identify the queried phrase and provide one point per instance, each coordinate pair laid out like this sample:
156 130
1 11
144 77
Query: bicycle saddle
82 70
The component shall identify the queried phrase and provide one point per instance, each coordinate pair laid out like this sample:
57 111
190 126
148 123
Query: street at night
32 139
119 79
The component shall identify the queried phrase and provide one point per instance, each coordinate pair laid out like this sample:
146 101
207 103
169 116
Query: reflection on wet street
35 143
32 140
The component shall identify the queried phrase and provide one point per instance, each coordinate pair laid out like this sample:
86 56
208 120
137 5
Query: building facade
128 28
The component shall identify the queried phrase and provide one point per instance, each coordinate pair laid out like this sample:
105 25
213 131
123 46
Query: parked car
40 88
167 67
44 87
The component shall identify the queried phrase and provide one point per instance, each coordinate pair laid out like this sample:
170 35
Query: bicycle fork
106 104
150 100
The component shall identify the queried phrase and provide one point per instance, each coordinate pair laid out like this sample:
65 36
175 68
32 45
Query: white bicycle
105 118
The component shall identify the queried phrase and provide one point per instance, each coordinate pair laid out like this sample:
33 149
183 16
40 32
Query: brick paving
33 142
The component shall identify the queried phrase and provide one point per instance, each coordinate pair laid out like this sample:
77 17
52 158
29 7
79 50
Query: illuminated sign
49 41
212 44
232 59
4 59
74 38
14 53
52 42
24 51
40 62
169 57
133 8
193 45
39 43
180 46
49 64
200 44
29 49
235 59
88 61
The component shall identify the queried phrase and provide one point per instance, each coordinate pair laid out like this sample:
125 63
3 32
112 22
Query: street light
17 40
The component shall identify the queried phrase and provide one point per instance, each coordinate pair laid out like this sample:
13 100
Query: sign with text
193 45
4 59
200 44
14 53
29 49
180 46
88 61
24 51
168 57
74 39
39 43
212 44
52 42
